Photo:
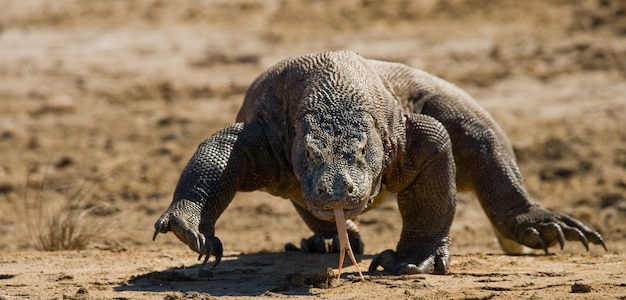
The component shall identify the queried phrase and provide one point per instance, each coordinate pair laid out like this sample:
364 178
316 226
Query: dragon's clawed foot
389 261
212 246
541 229
189 233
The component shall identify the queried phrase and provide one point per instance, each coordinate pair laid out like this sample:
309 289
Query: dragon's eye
309 153
362 145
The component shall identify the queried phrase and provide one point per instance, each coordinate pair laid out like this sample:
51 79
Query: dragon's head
338 158
346 122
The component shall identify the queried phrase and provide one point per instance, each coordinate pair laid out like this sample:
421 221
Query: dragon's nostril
350 188
319 190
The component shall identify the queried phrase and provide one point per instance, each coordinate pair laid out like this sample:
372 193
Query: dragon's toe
542 229
389 261
211 247
188 231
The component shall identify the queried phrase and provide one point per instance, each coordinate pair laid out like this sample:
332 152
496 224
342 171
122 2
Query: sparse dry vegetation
69 227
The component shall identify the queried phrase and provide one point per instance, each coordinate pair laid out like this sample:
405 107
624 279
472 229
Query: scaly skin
334 131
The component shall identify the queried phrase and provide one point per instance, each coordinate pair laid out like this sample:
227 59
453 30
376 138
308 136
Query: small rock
81 294
321 279
64 276
581 288
6 188
82 291
197 295
64 162
6 135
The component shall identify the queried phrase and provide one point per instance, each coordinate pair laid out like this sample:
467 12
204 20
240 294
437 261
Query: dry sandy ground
102 102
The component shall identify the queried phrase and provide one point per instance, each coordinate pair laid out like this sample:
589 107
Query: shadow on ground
287 273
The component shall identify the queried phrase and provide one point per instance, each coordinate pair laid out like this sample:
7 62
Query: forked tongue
344 244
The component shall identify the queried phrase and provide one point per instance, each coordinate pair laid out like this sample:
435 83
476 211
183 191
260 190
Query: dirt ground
102 102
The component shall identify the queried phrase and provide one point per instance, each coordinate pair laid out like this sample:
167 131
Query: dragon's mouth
329 214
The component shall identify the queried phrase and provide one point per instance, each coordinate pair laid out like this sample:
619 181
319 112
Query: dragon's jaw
331 215
351 209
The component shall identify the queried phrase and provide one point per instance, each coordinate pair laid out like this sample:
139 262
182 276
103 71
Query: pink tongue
344 244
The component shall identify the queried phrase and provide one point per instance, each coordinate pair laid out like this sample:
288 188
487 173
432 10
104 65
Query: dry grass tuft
69 227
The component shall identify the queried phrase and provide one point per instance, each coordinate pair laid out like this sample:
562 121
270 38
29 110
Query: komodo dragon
333 132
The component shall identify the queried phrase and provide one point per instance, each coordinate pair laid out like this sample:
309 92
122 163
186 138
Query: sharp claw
582 238
321 246
560 236
539 243
384 259
208 249
590 235
160 227
374 264
597 239
198 242
219 251
602 243
441 266
201 243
